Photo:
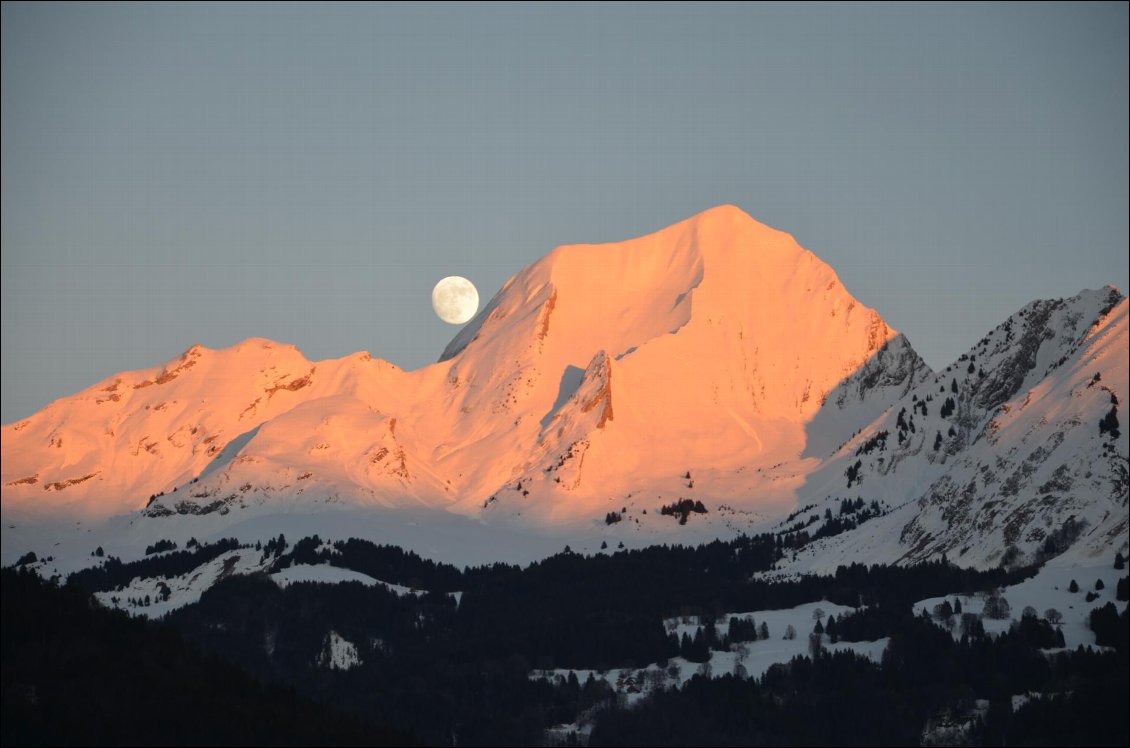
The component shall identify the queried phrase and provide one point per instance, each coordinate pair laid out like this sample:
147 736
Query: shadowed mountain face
715 360
1012 454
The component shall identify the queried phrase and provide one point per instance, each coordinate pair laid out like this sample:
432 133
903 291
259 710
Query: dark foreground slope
76 673
458 662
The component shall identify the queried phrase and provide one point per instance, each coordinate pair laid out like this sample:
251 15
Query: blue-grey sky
175 174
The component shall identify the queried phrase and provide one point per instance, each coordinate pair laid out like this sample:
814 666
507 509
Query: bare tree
996 606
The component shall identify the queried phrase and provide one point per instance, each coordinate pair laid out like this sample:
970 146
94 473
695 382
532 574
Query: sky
175 174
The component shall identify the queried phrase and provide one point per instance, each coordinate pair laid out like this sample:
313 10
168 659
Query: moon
455 300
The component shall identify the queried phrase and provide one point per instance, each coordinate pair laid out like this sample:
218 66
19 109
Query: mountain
706 347
715 361
1012 454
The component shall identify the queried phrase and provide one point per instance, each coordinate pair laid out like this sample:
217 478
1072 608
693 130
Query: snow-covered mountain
1012 454
707 346
715 360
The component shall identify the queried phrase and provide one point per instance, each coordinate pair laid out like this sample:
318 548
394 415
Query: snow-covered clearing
166 594
749 659
1048 589
339 653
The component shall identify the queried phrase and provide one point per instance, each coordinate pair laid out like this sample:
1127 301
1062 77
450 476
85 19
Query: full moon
455 300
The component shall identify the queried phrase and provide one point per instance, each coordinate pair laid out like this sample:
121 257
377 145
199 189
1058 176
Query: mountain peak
642 288
726 213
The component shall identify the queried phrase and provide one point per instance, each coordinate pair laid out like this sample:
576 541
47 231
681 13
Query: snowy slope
1000 458
708 347
1049 589
153 597
750 659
